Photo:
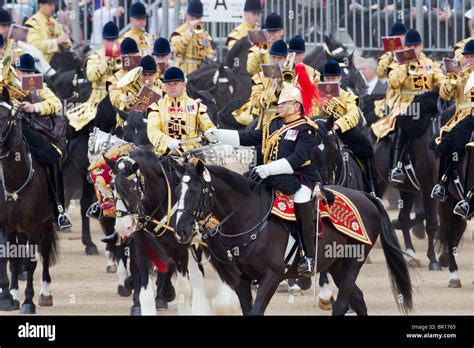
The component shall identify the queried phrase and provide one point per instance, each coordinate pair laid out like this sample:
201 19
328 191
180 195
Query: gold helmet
290 93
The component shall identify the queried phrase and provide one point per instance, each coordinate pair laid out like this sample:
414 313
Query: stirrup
397 175
95 211
306 267
64 221
439 192
463 208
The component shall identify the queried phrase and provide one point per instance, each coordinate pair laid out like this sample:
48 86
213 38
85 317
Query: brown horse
25 212
250 243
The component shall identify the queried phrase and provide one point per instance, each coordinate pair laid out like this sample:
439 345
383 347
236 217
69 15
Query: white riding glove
228 136
174 144
281 166
211 135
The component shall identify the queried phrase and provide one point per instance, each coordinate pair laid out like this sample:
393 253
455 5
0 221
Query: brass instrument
335 108
289 69
264 47
115 63
9 79
198 28
412 69
130 79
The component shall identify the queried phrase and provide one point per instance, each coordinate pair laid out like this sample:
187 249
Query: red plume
307 88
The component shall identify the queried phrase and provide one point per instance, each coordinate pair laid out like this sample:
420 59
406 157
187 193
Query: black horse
24 216
215 190
420 132
160 177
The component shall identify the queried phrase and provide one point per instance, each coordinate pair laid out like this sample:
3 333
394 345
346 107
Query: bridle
10 123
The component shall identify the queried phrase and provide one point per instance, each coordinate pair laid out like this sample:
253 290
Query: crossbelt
408 92
464 106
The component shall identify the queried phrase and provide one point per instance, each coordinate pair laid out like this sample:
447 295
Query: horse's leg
406 200
419 229
226 301
46 298
135 273
28 307
123 289
431 213
86 201
325 297
15 264
111 251
165 291
357 301
267 286
244 293
200 303
6 299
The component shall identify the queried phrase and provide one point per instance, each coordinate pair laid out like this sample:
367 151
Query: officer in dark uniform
287 149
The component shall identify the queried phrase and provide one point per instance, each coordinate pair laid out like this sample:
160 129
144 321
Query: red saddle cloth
342 213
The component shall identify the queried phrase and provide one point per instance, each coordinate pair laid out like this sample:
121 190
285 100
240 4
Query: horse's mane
135 118
239 182
324 127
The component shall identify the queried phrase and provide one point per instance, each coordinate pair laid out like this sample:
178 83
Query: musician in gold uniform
99 69
344 109
42 103
191 43
176 121
258 54
457 134
138 18
45 32
386 59
252 13
125 97
298 46
162 53
407 80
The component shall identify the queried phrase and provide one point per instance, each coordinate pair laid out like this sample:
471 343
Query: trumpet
198 28
412 69
288 68
264 47
335 108
115 63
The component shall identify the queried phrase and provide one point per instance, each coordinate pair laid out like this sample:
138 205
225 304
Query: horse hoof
304 283
123 291
46 301
111 269
416 263
283 287
28 308
443 260
419 231
129 283
136 311
92 250
435 266
325 305
8 304
161 304
23 276
454 283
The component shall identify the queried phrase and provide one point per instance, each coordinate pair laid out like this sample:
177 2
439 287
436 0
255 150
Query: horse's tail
49 245
397 266
149 253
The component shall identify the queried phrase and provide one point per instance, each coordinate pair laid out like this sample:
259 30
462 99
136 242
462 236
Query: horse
421 132
25 219
160 177
243 249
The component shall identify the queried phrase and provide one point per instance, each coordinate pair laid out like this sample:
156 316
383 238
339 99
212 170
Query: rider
138 18
45 32
252 12
298 46
128 46
49 105
99 68
408 81
259 55
386 59
454 87
175 121
191 43
162 53
288 150
5 23
126 97
346 118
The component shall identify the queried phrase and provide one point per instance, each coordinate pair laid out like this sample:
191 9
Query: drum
101 143
237 158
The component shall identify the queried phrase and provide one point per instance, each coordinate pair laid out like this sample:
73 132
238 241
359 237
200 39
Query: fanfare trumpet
198 28
289 68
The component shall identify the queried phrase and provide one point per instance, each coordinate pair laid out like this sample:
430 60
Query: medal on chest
291 134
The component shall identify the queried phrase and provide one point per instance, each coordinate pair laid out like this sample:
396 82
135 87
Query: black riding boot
57 194
111 238
396 172
370 176
440 190
304 214
465 208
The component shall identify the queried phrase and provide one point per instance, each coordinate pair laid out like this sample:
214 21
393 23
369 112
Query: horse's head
326 154
135 128
196 200
6 116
